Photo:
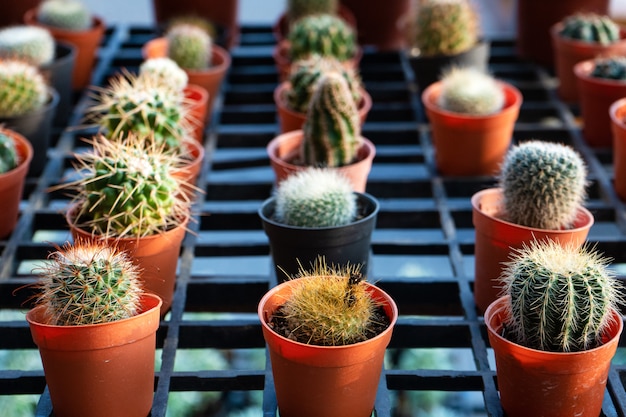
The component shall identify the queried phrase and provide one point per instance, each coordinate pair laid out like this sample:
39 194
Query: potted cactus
314 213
554 331
540 195
69 21
472 116
330 137
292 97
95 328
326 333
580 37
443 34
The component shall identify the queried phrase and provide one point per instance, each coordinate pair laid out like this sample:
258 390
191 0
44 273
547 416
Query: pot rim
617 105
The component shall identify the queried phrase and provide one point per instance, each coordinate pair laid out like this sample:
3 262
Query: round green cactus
543 184
561 297
8 153
590 27
189 46
332 129
64 14
27 43
322 34
445 27
166 71
301 8
89 283
611 68
470 91
24 89
315 197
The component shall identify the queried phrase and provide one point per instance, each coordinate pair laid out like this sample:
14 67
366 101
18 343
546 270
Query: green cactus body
8 154
301 8
24 89
189 46
27 43
304 76
470 91
315 197
445 27
322 34
165 71
543 185
64 14
610 68
89 283
591 27
332 129
561 297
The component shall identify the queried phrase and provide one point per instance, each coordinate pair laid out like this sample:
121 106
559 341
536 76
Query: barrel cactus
189 46
166 71
64 14
315 197
332 129
300 8
88 283
543 184
470 91
590 27
611 68
561 297
27 43
8 153
322 34
24 89
444 27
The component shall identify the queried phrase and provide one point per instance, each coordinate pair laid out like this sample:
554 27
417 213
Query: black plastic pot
292 247
59 74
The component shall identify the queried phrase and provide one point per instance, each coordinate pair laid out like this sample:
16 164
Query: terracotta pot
569 52
549 384
13 11
471 145
617 113
281 27
314 381
284 148
198 100
99 370
85 41
156 255
210 79
189 172
293 120
380 26
596 97
496 239
12 183
536 17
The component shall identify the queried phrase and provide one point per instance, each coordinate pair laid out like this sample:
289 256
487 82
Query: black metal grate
422 247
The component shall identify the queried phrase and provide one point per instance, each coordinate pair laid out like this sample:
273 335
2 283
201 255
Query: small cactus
189 46
27 43
470 91
315 197
611 68
24 89
166 71
332 129
64 14
322 34
306 72
543 185
445 27
590 27
8 153
88 283
300 8
561 297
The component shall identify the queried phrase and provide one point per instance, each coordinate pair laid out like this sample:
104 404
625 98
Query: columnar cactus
612 68
166 71
24 89
322 34
27 43
561 297
88 283
300 8
543 185
8 153
315 197
189 46
64 14
470 91
590 27
332 129
445 27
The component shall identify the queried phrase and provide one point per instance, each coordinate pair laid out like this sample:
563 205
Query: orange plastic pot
496 239
285 148
198 100
549 384
99 370
12 183
617 113
471 145
320 381
189 172
293 120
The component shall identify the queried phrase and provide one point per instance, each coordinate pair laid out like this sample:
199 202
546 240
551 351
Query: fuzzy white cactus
470 91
